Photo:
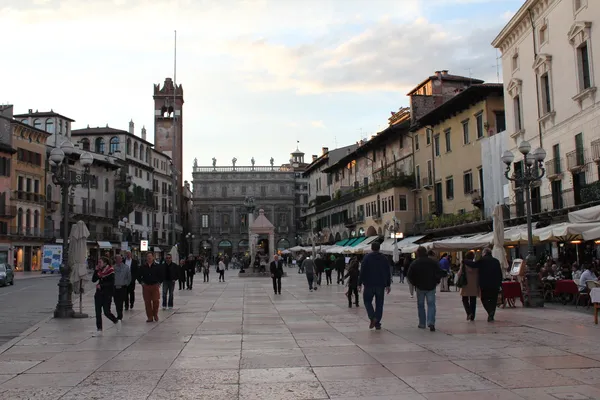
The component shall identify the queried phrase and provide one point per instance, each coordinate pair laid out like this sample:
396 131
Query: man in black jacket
424 273
340 266
151 275
490 280
276 273
190 271
133 267
171 275
375 276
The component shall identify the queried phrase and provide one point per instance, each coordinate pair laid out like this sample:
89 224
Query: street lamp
532 171
190 240
394 229
316 235
65 178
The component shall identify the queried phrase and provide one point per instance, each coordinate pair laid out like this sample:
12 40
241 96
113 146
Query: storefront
27 257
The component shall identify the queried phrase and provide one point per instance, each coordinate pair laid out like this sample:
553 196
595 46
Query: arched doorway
206 248
225 248
344 235
371 232
338 237
243 246
283 244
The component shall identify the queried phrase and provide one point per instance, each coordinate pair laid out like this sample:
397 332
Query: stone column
251 246
272 248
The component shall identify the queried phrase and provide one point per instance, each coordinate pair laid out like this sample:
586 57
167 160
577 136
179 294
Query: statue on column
214 160
272 161
233 161
252 161
195 163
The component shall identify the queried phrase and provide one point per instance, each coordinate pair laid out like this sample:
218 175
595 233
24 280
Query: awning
387 246
104 245
157 249
342 242
590 214
365 245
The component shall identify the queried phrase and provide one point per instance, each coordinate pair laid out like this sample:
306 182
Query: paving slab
237 340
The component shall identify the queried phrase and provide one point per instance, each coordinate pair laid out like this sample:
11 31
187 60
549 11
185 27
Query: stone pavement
236 340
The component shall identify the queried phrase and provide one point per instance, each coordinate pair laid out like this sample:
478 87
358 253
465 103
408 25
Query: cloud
317 124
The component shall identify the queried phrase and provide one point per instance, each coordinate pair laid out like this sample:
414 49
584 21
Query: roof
17 122
448 77
43 114
386 134
519 15
106 130
261 224
332 155
458 103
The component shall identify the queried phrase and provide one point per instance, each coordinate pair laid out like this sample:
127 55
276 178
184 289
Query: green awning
358 241
342 242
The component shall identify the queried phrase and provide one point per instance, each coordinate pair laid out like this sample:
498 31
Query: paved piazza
236 340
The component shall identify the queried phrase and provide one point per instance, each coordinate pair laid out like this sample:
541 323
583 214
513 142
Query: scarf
106 271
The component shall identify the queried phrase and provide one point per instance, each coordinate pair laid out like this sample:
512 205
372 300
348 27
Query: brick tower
168 121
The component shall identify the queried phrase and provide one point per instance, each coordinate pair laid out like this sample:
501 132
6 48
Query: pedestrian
133 268
221 270
182 275
405 268
445 266
328 263
205 270
171 274
352 275
425 274
375 277
467 279
122 281
340 267
490 280
190 271
104 274
320 264
151 276
276 273
309 267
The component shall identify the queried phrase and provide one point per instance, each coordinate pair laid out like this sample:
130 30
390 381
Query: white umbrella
77 259
498 251
175 255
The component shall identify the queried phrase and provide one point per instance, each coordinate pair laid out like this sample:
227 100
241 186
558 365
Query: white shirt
221 266
586 276
128 262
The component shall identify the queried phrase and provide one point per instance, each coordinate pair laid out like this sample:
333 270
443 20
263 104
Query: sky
258 75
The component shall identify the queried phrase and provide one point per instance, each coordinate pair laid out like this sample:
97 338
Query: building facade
8 211
162 188
551 69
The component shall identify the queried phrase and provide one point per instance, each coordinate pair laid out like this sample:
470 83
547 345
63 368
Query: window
99 148
428 136
135 150
128 147
113 145
465 127
106 188
402 203
243 189
546 98
500 121
49 126
282 189
584 66
417 141
515 61
543 34
448 142
141 152
263 191
436 145
4 166
517 110
93 205
468 182
37 123
391 203
479 125
577 4
85 144
418 176
449 188
420 207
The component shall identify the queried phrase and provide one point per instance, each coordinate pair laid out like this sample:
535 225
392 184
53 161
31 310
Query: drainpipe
537 84
433 168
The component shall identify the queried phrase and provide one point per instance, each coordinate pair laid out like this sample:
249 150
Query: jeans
102 302
411 289
222 275
190 279
352 290
182 283
276 284
119 297
167 291
470 304
444 284
428 295
401 274
340 276
328 276
368 294
206 277
130 298
489 299
310 278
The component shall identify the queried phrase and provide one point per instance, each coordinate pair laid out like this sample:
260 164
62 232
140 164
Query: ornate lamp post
124 227
64 177
533 171
190 241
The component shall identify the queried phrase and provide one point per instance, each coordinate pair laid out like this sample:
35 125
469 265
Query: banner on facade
52 258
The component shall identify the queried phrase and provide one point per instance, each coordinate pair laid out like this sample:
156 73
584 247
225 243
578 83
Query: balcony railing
8 211
29 196
89 212
576 159
553 168
596 150
22 231
427 182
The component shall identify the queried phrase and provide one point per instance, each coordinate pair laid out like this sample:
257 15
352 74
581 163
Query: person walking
276 273
405 268
150 277
122 281
445 266
133 268
190 271
320 268
467 279
328 263
104 275
181 275
352 276
309 268
490 280
221 270
425 274
340 267
375 277
205 269
171 271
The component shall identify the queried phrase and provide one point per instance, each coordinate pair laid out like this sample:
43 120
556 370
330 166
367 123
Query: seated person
589 274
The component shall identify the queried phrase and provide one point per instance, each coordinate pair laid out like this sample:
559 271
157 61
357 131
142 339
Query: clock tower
168 121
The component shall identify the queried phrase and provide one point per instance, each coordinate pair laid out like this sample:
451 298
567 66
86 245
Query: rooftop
445 76
42 114
106 130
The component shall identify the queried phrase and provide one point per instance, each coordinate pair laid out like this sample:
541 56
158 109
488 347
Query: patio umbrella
77 260
175 255
498 251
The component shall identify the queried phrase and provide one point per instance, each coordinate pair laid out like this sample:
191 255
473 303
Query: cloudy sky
258 75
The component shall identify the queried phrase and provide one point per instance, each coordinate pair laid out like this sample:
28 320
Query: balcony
427 182
449 220
8 211
29 196
84 212
576 160
26 232
283 229
554 168
52 206
596 150
476 198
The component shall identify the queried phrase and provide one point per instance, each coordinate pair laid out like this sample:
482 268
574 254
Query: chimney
315 157
444 72
131 127
31 111
325 150
438 73
144 132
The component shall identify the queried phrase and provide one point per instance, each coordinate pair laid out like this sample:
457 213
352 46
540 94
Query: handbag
462 279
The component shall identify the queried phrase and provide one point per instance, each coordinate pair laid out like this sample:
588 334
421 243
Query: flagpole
174 171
